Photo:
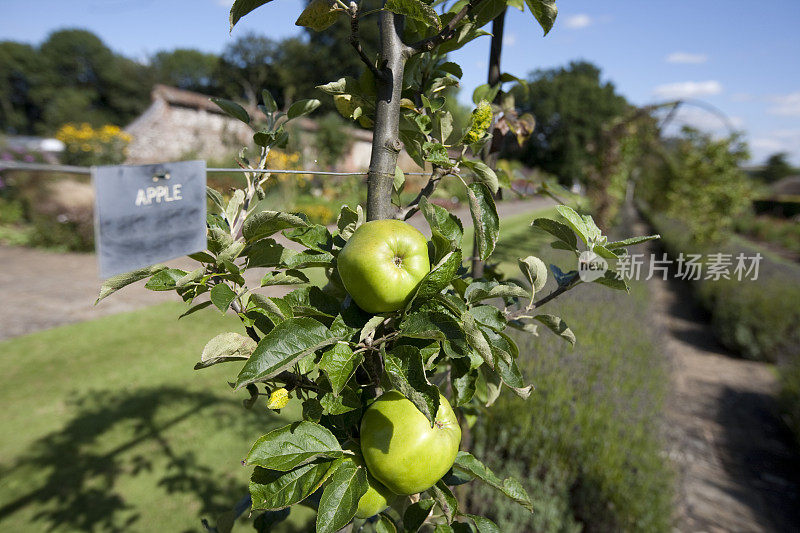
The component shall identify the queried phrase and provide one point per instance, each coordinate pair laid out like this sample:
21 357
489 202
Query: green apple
382 264
377 498
400 447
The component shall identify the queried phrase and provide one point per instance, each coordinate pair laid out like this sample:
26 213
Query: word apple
382 264
400 447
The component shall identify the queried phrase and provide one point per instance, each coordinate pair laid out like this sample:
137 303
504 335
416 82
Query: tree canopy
571 105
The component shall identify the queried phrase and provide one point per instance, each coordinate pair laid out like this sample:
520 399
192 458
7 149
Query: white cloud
579 21
688 89
685 57
224 3
776 141
786 105
510 39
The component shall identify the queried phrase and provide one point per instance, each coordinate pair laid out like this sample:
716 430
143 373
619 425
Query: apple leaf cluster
316 346
442 349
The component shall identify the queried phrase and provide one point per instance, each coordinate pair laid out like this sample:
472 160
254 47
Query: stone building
181 125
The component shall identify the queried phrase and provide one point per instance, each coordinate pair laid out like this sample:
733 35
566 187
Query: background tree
571 105
250 64
20 67
776 168
187 69
86 82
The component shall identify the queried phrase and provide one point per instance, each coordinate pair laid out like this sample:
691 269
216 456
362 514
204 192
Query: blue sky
740 56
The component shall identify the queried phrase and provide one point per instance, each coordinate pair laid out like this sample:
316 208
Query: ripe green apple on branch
382 264
385 359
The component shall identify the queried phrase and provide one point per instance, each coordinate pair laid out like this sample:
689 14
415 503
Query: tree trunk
386 143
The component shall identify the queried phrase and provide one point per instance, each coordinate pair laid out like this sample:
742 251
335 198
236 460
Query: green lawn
108 428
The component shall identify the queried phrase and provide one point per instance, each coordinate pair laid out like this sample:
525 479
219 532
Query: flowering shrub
86 146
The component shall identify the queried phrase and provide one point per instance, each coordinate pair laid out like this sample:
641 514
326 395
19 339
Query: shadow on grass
115 436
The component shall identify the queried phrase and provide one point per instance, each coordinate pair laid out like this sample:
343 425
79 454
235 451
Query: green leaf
468 464
234 206
265 223
231 252
316 237
488 11
339 501
534 270
232 109
437 154
438 278
485 92
272 489
483 524
399 179
267 253
631 241
216 198
484 290
545 12
349 400
318 15
303 107
416 514
451 68
294 445
225 347
484 218
429 324
477 340
165 279
558 326
288 277
404 368
339 364
269 102
222 296
463 379
274 308
191 277
286 344
195 308
115 283
241 8
415 9
309 259
385 525
558 230
446 229
349 221
575 221
483 173
490 316
612 280
445 499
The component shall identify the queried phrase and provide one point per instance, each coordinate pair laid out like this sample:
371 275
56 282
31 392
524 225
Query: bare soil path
41 289
738 467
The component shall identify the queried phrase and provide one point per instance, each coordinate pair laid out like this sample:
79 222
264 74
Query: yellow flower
278 399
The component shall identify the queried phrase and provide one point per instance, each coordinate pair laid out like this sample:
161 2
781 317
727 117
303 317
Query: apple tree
401 343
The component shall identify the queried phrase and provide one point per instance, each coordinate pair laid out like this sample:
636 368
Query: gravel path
738 466
44 289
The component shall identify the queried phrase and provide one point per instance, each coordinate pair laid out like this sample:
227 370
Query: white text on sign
158 194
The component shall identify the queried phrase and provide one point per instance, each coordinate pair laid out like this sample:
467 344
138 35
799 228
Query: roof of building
788 185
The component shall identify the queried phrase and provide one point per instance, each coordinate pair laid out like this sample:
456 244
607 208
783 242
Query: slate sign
147 214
